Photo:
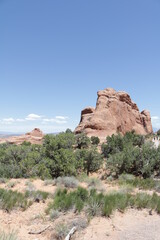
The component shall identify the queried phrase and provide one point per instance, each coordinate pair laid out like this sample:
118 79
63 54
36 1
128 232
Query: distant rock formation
34 137
114 113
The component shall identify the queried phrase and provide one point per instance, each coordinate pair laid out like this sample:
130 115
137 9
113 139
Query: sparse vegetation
100 204
54 214
145 184
3 180
61 231
36 196
11 184
50 182
12 199
8 236
68 182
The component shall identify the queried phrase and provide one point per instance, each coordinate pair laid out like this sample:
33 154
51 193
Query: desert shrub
117 143
12 199
92 161
88 160
82 140
82 177
36 196
56 157
63 163
11 184
95 140
52 143
126 177
49 182
80 223
54 214
61 231
140 161
68 182
93 207
142 200
114 145
3 180
158 132
65 200
93 182
12 235
145 184
80 156
29 186
99 204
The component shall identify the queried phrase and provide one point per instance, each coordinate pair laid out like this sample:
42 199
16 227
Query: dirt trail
133 225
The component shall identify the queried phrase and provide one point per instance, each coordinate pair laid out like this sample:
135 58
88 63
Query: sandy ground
132 225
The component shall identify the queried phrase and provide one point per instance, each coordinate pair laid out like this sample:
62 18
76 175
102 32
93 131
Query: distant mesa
34 137
115 112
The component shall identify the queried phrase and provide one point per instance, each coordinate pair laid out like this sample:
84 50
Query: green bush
130 154
99 204
89 160
145 184
12 199
95 140
82 141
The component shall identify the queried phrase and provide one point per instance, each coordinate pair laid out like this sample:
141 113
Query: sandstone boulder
115 112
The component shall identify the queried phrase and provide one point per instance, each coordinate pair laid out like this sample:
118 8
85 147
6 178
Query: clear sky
56 54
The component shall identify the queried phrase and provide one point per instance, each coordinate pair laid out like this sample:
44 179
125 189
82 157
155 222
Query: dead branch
73 230
39 231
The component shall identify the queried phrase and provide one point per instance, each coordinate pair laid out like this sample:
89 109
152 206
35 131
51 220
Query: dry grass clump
49 182
3 180
54 214
61 231
68 182
36 196
8 236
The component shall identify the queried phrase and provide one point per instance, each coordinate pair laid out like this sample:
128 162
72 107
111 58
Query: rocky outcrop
34 137
114 113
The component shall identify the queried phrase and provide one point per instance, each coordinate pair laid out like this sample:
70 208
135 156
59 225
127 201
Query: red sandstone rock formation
34 137
114 113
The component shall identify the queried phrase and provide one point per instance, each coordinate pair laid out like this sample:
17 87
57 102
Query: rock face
34 137
114 113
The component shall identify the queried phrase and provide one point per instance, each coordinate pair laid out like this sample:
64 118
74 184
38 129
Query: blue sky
56 54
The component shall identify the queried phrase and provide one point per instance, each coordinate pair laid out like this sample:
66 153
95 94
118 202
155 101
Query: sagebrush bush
36 196
50 182
54 214
61 231
68 182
